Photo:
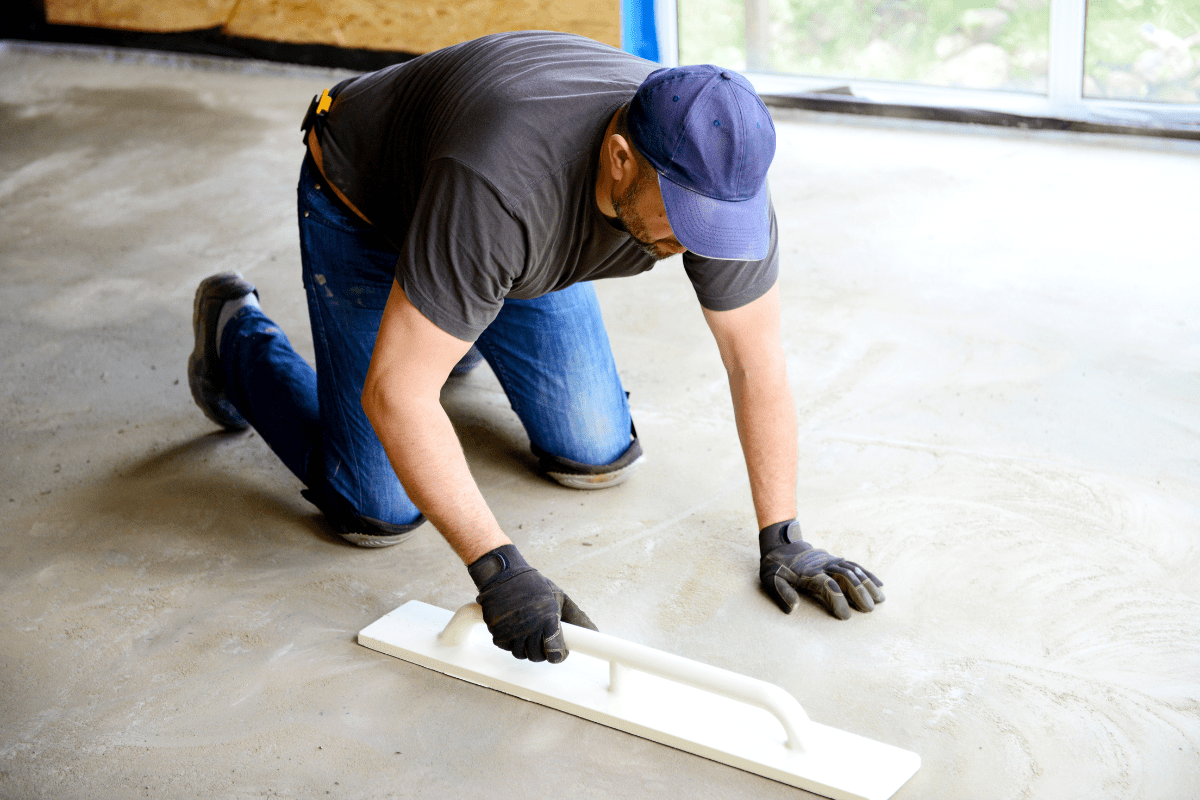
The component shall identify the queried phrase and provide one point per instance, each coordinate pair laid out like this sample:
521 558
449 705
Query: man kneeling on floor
454 208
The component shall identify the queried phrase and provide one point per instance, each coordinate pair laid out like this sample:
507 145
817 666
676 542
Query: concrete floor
995 354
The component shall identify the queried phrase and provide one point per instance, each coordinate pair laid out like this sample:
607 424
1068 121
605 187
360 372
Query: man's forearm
766 423
426 455
752 351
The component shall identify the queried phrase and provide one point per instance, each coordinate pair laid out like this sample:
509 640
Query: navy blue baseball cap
711 140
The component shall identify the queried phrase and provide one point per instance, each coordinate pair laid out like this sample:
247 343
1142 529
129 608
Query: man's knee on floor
357 528
590 476
354 524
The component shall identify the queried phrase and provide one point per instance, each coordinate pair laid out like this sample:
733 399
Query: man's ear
621 162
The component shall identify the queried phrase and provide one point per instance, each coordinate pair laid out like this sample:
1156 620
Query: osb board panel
412 26
418 26
158 16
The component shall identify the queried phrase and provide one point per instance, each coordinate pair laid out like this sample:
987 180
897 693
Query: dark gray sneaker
204 372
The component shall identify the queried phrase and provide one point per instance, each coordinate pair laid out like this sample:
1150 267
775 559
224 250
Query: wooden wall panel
418 26
157 16
411 26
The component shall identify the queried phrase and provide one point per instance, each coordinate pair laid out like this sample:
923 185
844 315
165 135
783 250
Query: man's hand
522 609
789 565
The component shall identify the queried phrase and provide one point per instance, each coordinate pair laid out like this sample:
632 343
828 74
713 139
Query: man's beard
634 225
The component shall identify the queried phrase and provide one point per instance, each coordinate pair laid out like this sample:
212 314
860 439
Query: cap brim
734 230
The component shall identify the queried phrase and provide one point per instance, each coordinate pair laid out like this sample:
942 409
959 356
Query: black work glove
521 608
789 565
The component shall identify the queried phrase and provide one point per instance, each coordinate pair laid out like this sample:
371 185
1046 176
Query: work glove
790 565
521 608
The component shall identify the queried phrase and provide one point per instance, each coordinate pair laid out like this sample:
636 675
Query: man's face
640 209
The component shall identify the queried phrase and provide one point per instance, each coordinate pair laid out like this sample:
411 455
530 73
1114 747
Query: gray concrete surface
995 354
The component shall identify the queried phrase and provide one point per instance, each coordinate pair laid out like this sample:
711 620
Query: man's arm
751 348
402 398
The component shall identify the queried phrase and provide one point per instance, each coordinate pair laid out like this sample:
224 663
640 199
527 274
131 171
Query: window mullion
1065 79
666 17
758 36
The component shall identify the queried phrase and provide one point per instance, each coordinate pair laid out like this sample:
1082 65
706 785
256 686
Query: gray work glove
790 565
521 608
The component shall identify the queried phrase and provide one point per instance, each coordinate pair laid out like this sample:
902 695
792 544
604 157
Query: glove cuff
490 568
778 534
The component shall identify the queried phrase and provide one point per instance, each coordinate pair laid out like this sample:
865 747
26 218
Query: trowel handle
622 654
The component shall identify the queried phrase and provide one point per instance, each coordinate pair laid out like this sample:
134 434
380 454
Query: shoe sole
604 480
375 540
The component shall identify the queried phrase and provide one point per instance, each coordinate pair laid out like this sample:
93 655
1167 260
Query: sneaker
204 372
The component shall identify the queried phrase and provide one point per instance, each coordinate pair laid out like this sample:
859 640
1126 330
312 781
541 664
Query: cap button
726 76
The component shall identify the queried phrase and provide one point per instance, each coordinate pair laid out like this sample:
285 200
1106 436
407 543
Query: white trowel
730 718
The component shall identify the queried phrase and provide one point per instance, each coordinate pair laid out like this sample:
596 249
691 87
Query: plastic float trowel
730 718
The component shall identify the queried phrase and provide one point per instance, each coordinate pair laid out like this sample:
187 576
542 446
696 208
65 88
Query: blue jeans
550 354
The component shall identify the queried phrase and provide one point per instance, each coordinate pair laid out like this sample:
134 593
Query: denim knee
575 475
344 516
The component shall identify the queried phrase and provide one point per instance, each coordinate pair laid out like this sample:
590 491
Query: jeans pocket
313 203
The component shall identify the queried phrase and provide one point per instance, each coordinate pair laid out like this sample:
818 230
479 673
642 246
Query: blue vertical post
639 34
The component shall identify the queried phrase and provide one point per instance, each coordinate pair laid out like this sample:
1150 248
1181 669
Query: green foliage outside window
1142 49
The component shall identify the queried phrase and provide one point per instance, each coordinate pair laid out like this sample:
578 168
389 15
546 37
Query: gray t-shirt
478 162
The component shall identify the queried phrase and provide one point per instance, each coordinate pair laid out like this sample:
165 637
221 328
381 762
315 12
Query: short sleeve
462 252
722 285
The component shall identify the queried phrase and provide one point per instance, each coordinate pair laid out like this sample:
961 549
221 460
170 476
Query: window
1104 59
1143 50
934 42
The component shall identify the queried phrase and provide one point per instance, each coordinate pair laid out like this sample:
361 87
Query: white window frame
1063 100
